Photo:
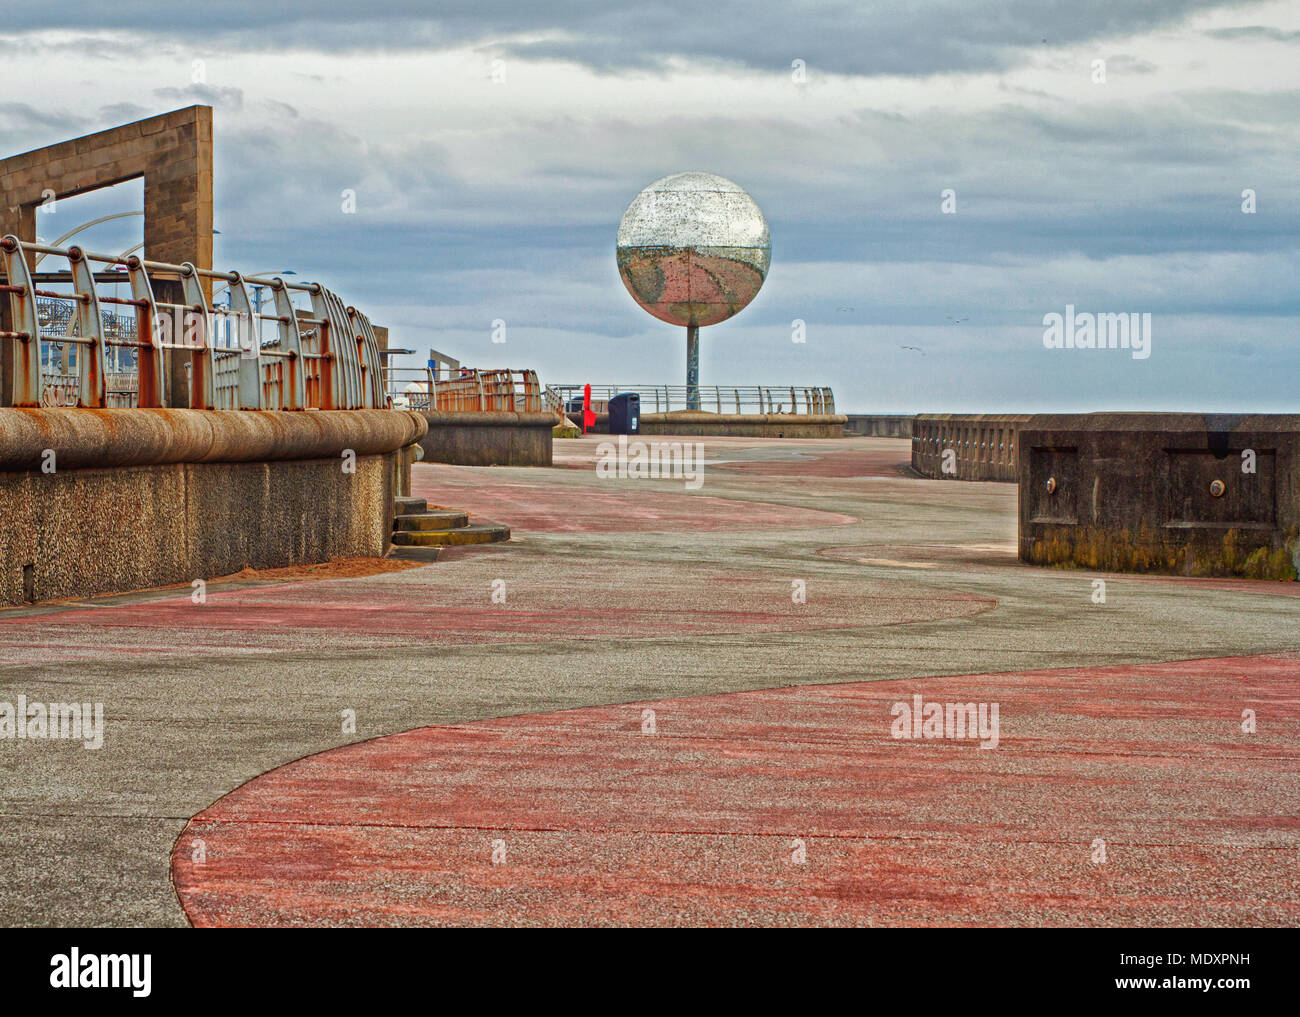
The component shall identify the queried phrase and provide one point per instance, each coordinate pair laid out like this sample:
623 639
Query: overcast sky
493 147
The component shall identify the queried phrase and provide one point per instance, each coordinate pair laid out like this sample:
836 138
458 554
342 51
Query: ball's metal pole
692 367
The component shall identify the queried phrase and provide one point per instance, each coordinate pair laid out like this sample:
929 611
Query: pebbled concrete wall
143 498
1136 492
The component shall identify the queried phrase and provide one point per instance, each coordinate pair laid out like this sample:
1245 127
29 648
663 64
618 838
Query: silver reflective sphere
693 249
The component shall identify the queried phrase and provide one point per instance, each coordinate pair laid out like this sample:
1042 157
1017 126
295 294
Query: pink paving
615 507
857 463
601 823
421 608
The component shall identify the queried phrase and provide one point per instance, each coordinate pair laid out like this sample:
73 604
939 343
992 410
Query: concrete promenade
648 593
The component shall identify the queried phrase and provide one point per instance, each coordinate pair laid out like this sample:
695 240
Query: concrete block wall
488 439
1194 494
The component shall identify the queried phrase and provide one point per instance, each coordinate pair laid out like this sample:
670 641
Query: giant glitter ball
693 249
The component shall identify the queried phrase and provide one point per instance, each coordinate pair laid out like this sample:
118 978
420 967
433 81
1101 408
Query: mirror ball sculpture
693 249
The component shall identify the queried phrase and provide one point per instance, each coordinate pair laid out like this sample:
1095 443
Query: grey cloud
1104 182
1115 204
20 118
1124 63
207 95
1254 32
836 36
121 112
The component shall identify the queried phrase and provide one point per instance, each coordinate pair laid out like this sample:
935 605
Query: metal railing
59 378
68 350
468 391
800 399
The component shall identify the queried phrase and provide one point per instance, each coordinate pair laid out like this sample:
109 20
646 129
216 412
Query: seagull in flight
956 321
916 348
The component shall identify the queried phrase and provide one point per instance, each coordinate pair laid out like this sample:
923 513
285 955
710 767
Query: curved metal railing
800 399
470 390
69 350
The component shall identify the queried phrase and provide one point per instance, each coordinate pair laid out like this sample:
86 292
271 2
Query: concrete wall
879 425
750 425
142 498
488 439
1133 492
984 445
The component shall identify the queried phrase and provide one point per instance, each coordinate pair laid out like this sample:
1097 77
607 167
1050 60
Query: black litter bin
625 413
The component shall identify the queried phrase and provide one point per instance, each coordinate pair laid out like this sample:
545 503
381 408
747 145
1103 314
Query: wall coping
90 439
1174 421
972 418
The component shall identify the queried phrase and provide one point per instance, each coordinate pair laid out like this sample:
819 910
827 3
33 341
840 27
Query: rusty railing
468 391
69 350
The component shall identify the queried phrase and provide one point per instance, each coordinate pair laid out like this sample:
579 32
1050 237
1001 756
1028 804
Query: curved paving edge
795 806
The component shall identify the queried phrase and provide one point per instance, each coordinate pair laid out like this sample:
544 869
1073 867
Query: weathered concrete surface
698 822
633 606
983 445
1212 495
84 532
488 439
142 498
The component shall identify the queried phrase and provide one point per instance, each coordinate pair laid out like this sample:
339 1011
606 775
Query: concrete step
445 520
422 554
409 506
474 533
